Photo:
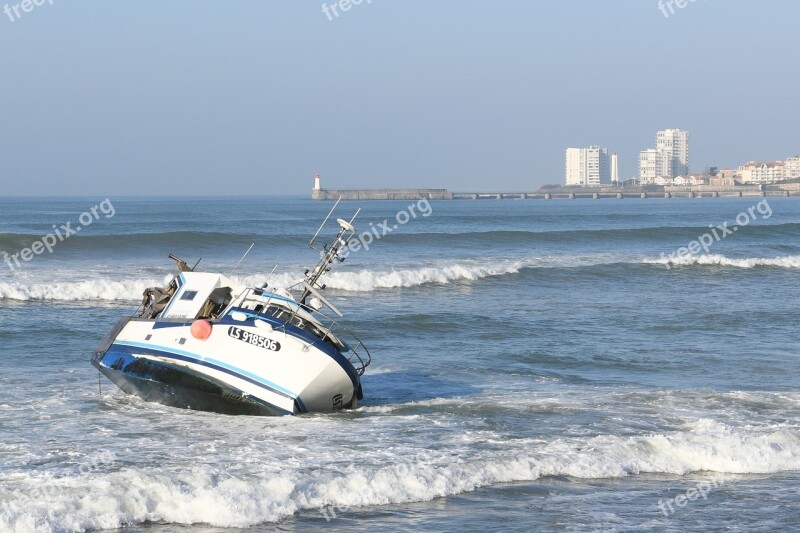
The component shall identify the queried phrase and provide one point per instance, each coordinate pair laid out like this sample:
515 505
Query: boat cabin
199 295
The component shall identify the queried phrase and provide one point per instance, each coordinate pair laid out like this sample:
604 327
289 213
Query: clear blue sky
255 96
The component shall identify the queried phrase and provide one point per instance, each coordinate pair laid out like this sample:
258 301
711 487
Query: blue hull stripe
180 355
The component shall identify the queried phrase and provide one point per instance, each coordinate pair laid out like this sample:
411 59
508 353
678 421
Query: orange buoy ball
201 329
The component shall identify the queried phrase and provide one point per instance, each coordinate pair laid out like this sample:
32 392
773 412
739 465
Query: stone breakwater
559 193
381 194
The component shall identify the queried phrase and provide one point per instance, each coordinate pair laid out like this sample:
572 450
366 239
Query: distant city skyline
669 159
185 97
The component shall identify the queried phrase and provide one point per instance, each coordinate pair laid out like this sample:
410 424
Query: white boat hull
241 368
205 342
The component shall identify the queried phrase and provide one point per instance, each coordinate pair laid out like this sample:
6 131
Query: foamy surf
364 280
792 261
358 281
368 280
207 495
72 291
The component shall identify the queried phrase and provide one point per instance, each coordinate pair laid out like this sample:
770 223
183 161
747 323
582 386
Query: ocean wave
442 272
439 273
669 233
721 260
76 291
202 240
367 280
356 281
204 494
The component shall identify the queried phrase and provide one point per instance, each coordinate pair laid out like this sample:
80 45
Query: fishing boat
207 343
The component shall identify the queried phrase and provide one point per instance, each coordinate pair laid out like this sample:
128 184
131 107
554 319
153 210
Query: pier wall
555 193
381 194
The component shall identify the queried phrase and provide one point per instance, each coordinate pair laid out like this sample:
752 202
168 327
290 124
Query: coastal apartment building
673 144
588 167
649 166
791 168
758 172
669 159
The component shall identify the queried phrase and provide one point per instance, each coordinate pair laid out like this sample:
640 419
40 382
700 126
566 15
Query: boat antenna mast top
329 253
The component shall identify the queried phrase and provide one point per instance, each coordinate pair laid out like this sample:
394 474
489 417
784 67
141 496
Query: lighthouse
317 193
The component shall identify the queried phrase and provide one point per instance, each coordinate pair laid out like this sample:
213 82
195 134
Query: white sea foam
98 287
366 280
206 495
792 261
359 281
95 289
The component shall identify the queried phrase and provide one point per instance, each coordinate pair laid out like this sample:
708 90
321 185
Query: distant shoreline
567 193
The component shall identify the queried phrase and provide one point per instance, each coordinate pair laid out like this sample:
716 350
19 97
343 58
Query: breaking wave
720 260
204 494
99 289
356 281
441 273
370 280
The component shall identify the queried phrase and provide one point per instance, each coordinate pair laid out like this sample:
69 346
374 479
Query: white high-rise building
673 144
575 166
669 159
614 169
588 166
791 168
649 166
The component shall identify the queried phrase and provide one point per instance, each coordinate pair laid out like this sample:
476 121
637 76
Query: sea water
537 366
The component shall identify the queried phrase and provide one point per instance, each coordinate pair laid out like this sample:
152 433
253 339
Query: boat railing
351 347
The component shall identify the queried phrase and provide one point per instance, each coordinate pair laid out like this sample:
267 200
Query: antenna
266 283
329 255
242 259
311 243
352 219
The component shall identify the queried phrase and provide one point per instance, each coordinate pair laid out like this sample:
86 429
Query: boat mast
329 253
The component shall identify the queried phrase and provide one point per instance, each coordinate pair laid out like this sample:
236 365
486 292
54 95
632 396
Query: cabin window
189 295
